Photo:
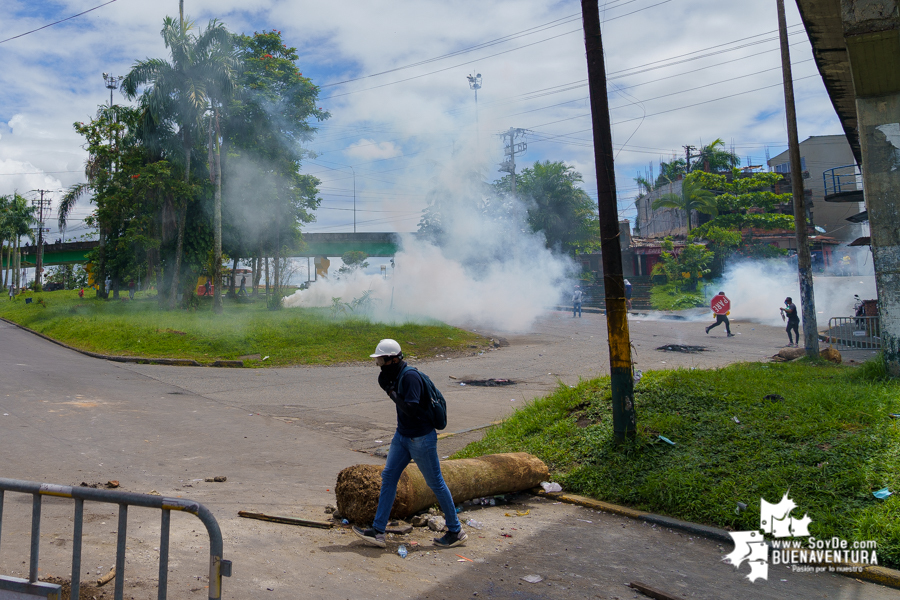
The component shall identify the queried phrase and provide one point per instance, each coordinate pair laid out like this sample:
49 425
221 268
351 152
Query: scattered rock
436 523
329 509
112 483
832 355
398 527
419 521
217 479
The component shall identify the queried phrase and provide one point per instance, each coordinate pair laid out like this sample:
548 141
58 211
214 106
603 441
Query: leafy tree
16 219
670 171
557 207
266 126
714 157
178 96
693 197
744 202
686 267
354 260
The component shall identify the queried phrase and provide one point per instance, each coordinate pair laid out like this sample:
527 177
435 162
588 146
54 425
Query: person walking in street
628 294
577 297
720 305
415 439
793 321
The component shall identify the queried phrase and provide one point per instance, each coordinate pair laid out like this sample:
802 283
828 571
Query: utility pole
620 365
41 206
807 296
511 148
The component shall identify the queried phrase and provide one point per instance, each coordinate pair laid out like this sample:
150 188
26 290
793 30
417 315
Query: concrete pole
873 47
807 296
620 364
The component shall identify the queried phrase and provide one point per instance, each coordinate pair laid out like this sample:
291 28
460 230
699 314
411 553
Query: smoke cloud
490 270
757 289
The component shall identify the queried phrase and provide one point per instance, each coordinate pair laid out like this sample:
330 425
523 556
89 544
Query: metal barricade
854 333
218 567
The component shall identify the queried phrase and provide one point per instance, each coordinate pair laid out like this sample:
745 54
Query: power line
15 37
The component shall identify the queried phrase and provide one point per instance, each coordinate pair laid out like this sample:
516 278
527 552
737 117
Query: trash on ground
286 520
402 551
682 348
584 520
894 416
882 493
741 507
637 376
107 578
474 524
551 487
519 513
666 440
462 558
736 420
533 578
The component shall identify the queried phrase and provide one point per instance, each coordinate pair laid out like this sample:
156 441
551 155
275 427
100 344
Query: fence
854 333
218 567
842 179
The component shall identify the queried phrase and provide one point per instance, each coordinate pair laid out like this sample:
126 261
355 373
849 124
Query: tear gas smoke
489 270
757 290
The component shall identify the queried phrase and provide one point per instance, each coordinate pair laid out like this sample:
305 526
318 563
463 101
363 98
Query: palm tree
180 91
17 219
714 157
693 197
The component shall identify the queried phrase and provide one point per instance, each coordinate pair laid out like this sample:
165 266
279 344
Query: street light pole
475 84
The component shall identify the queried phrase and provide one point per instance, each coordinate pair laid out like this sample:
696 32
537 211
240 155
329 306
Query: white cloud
401 133
371 150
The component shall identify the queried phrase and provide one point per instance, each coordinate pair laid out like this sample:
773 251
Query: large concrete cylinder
358 486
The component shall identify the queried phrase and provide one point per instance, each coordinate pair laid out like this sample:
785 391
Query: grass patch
670 297
830 442
289 336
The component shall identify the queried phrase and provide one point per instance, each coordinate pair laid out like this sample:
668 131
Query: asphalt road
282 435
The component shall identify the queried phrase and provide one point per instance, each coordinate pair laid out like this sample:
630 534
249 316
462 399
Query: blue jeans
423 450
576 309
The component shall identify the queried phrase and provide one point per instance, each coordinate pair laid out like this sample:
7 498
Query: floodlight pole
621 374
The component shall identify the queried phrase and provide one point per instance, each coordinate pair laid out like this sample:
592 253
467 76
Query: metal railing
842 179
854 333
218 567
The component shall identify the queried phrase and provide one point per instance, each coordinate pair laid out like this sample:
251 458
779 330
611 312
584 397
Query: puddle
682 348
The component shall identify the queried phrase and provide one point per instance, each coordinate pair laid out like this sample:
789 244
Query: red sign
720 304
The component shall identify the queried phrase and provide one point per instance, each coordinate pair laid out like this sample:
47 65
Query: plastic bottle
402 551
474 524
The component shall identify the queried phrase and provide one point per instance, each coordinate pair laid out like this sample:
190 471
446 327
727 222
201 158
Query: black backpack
437 407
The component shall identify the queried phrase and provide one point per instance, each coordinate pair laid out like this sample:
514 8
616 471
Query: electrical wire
15 37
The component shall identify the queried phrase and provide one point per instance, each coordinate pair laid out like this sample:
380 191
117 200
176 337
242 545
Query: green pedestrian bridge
315 244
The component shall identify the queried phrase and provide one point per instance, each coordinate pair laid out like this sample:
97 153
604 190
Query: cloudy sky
394 77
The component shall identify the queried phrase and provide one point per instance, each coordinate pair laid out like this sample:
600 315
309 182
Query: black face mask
392 370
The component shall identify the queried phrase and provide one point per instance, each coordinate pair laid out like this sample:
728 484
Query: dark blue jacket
412 420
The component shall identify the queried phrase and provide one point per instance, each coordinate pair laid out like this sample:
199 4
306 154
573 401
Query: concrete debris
217 479
436 523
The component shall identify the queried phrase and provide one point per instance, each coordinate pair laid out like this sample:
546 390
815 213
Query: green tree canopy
693 197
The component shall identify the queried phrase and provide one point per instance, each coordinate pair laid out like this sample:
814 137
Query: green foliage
671 297
353 260
829 442
563 212
670 171
685 268
693 197
714 157
292 336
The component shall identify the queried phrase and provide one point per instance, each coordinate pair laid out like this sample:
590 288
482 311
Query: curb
177 362
872 574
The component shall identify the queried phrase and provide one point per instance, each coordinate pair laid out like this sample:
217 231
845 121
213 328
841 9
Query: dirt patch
86 591
682 348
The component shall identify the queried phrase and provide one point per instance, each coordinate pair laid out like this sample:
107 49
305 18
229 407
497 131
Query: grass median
291 336
825 435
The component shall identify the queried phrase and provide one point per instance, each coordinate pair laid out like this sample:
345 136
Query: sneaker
451 540
730 335
707 330
370 536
